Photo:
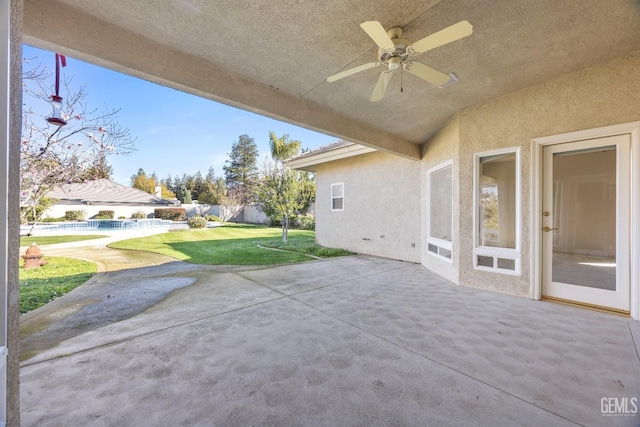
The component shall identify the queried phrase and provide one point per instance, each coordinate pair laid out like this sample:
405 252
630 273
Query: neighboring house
103 194
529 194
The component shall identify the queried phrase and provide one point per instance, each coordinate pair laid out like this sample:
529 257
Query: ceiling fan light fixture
394 63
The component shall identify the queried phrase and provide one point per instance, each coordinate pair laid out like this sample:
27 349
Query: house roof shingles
104 191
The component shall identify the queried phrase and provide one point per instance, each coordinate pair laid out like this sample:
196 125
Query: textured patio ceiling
273 57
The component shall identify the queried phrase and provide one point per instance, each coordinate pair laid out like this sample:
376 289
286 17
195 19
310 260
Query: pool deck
112 236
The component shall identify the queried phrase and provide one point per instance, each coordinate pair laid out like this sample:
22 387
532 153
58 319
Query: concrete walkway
355 341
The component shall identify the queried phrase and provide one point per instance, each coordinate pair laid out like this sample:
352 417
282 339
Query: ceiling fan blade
347 73
455 32
427 73
378 34
381 86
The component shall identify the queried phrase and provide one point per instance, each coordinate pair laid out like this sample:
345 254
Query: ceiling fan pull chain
401 74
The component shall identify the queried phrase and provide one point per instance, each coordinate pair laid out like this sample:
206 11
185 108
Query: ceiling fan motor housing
395 57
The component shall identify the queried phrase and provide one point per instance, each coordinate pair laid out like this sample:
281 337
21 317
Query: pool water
110 224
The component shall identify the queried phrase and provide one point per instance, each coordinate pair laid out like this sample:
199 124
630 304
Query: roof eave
309 162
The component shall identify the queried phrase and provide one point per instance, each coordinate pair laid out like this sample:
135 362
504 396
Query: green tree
198 186
188 182
284 192
177 185
168 183
99 169
241 169
211 175
141 181
185 196
34 212
307 183
282 148
213 189
148 184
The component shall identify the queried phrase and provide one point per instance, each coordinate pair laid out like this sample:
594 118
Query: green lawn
50 240
232 245
39 286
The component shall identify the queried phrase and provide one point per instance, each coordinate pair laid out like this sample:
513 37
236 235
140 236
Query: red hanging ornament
56 100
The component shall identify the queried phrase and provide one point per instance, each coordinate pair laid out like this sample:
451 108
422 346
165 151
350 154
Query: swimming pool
108 224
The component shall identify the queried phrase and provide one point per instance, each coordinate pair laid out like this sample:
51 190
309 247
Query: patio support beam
55 26
10 127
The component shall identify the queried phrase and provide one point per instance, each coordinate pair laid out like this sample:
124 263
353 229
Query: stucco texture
601 95
381 206
13 217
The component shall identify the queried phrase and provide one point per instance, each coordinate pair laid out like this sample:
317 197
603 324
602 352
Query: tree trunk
35 219
285 229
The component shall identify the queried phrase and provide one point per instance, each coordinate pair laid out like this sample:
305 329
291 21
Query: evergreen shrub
171 214
139 215
106 214
197 222
78 215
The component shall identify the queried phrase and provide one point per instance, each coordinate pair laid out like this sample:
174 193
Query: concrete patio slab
298 278
350 341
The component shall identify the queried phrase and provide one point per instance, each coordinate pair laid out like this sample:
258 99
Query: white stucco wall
601 95
386 196
381 206
253 215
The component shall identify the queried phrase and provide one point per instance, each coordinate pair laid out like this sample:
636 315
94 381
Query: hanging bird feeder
56 100
56 116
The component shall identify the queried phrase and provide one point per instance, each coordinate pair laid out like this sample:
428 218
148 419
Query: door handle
547 229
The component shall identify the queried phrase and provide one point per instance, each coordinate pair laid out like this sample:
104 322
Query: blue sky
175 132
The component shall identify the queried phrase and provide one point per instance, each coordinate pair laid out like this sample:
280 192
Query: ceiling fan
395 52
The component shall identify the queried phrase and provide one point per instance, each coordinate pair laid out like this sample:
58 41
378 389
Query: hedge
106 214
49 219
172 214
78 215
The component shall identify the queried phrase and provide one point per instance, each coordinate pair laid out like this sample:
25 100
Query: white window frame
341 184
491 251
441 244
535 222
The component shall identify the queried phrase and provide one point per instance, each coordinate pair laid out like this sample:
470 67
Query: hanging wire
60 60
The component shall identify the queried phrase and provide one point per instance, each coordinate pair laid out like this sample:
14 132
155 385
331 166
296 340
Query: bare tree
231 204
52 155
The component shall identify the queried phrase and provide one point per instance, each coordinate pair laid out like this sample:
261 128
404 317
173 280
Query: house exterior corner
433 211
